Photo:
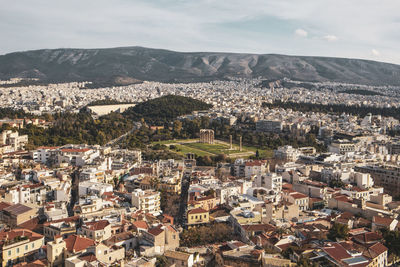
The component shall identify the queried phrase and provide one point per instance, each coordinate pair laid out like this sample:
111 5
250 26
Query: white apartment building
287 153
89 187
43 154
247 169
147 201
342 147
92 174
270 181
77 156
16 141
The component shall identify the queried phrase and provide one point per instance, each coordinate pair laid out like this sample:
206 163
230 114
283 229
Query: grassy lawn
264 153
184 146
183 149
214 149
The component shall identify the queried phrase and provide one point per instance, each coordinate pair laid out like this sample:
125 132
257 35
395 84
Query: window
17 250
26 247
33 245
9 253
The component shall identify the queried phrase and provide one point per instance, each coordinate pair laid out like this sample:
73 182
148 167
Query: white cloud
330 38
301 33
375 52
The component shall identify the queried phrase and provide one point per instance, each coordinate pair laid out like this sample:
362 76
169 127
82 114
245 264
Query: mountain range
127 65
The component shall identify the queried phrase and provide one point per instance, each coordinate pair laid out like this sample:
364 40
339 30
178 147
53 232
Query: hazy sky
367 29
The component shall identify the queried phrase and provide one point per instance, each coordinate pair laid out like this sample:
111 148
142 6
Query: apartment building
342 147
269 126
147 200
198 216
18 243
387 176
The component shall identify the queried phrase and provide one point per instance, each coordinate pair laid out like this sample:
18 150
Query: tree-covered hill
83 128
165 108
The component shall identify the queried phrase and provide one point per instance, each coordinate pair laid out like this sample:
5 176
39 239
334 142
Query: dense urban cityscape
237 178
207 133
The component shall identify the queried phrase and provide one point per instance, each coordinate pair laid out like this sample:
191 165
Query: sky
367 29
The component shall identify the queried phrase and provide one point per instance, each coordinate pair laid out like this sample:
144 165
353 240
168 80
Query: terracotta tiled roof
298 195
386 221
32 224
120 237
140 224
36 263
89 257
336 251
4 205
10 235
367 238
97 225
198 210
155 230
76 243
378 248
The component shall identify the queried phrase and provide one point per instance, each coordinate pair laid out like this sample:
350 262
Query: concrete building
387 176
16 244
16 141
147 201
160 238
178 258
96 230
270 181
16 214
287 153
269 126
342 147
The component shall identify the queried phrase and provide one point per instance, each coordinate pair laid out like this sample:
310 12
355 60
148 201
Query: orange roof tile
76 243
198 210
97 225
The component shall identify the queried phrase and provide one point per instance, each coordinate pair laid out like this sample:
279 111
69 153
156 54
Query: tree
392 241
209 234
338 230
257 154
336 184
161 261
177 127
